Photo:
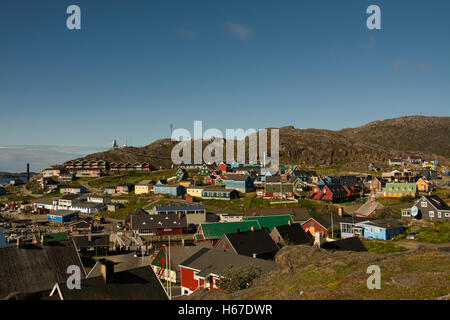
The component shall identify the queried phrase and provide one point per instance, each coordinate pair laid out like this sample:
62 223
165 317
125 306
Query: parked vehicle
411 236
100 219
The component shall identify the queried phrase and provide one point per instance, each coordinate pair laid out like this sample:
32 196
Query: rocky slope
352 148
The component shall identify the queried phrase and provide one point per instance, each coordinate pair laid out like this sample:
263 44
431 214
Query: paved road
413 245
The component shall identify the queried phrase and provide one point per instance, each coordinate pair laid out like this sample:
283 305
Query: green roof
218 229
198 236
400 187
269 222
52 237
161 257
284 187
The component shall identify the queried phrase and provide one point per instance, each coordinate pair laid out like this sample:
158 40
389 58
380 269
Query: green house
161 260
219 181
217 229
396 190
269 222
204 170
181 174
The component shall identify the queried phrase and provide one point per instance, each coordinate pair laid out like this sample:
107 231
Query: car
412 235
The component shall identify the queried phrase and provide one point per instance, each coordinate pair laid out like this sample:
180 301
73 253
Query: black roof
36 268
72 197
96 241
297 213
273 179
293 233
135 284
237 177
158 221
437 202
386 223
325 220
252 242
214 261
347 244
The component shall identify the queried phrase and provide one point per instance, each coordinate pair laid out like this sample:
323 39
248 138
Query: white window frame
431 214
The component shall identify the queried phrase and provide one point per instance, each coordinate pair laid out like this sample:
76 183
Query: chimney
28 172
318 239
107 270
340 211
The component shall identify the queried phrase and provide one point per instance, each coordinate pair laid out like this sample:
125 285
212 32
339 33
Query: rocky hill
310 273
352 148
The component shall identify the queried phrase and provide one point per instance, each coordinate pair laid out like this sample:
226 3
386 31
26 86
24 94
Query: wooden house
204 269
253 243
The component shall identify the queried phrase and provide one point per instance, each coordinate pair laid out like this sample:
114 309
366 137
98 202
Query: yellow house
195 191
143 187
185 183
423 185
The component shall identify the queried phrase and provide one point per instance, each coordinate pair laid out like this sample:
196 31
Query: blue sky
138 66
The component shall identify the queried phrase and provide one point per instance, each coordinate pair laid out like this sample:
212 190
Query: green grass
130 177
380 246
245 202
395 201
133 204
438 233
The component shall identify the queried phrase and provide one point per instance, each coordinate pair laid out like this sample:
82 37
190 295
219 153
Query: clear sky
135 67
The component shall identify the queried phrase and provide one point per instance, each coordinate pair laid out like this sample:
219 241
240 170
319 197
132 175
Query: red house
204 269
331 192
224 167
158 224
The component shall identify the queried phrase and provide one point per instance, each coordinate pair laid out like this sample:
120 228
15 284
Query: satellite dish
414 211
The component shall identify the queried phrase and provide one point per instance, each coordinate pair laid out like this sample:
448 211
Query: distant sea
3 243
7 180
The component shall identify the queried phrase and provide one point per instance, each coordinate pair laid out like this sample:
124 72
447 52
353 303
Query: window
423 204
406 213
431 214
447 214
439 214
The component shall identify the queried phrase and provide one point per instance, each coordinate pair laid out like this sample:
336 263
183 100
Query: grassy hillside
309 273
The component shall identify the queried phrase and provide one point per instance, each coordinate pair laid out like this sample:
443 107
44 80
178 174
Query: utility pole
332 227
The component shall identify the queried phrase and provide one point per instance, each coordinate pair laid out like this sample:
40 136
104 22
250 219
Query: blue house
383 229
62 216
240 182
329 180
172 189
265 172
234 165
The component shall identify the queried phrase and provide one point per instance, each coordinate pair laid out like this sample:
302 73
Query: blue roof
194 207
